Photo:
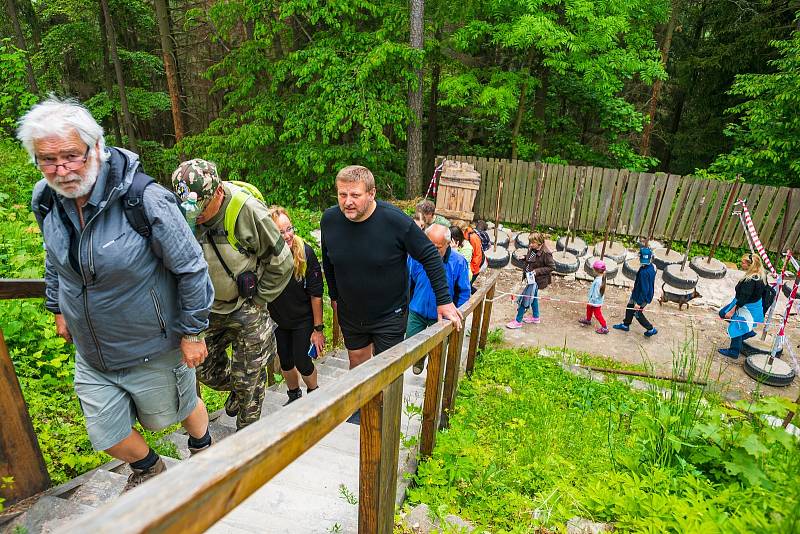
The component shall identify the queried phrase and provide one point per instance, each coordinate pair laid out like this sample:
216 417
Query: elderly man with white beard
126 282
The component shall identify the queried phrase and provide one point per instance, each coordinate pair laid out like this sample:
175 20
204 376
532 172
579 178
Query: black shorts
383 334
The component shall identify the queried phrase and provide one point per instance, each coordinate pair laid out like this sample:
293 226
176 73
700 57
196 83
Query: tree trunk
523 91
657 85
170 67
29 14
11 9
414 150
433 121
123 96
539 109
108 81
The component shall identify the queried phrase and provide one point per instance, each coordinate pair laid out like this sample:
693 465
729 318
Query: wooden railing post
431 406
380 449
487 315
20 456
475 334
451 372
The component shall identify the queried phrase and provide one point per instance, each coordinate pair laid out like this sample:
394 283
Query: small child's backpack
485 241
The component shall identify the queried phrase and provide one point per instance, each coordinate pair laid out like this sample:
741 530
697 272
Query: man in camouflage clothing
236 319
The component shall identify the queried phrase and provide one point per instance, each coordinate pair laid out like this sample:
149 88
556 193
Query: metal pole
575 201
780 334
778 285
537 203
721 225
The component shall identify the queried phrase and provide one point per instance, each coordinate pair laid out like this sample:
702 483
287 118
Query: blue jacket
595 297
423 300
125 298
644 285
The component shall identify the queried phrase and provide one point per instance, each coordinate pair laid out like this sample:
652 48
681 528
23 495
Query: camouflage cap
198 176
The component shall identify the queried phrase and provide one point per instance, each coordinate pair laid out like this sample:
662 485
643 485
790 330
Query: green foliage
530 444
15 97
767 136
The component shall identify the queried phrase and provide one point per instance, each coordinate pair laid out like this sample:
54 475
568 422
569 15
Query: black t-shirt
365 262
292 308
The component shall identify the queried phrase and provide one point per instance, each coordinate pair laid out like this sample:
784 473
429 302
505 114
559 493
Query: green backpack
241 192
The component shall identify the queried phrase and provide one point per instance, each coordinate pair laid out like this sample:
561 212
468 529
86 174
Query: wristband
195 338
319 327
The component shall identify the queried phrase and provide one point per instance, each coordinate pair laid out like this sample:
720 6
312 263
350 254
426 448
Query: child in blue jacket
642 295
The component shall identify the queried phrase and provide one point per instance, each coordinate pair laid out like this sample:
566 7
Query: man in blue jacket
642 294
422 308
131 292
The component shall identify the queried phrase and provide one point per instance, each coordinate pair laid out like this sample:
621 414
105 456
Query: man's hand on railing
451 313
61 328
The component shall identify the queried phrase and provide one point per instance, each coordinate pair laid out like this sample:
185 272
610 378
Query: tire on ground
566 262
502 238
521 240
577 246
779 373
518 257
673 276
497 259
714 269
753 346
661 259
612 267
614 250
787 288
630 267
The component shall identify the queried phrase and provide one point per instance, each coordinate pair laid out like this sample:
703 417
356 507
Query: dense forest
282 93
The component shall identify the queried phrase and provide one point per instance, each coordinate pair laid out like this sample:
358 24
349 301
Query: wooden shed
459 183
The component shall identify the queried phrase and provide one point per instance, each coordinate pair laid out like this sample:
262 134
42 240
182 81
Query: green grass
531 445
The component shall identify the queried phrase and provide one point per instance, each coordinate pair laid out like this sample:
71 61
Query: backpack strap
235 206
219 257
46 201
133 204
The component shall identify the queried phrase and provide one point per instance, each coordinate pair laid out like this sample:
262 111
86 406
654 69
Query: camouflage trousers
249 331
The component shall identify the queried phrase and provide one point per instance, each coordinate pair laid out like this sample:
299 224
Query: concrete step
332 360
102 487
47 515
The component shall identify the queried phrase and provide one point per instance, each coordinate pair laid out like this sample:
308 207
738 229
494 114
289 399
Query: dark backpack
132 204
768 297
485 241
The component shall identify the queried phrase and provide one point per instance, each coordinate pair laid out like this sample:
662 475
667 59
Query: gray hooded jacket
125 298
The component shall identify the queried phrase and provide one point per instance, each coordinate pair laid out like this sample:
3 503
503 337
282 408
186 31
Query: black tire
787 288
614 250
518 257
661 259
521 240
497 259
577 246
714 270
502 238
630 267
753 346
566 262
612 267
673 276
780 374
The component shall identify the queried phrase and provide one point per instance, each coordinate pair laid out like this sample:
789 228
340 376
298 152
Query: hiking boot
513 325
622 326
195 450
651 332
418 367
585 322
232 405
139 476
729 353
531 320
293 394
751 333
602 330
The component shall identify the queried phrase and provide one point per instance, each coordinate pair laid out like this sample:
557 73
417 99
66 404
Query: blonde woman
298 312
745 311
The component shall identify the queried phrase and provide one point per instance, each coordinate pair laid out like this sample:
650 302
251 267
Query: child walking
641 296
539 266
597 293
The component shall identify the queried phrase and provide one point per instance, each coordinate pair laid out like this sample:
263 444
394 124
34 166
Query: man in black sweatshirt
364 247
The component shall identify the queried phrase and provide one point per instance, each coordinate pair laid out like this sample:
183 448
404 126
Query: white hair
447 234
57 117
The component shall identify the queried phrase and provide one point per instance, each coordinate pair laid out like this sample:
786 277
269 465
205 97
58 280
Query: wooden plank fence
679 205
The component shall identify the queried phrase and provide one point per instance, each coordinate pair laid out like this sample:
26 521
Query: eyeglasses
73 163
289 230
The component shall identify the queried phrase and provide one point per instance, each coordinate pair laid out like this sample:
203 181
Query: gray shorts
158 393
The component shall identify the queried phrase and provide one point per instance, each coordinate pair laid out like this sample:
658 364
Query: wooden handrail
198 492
21 288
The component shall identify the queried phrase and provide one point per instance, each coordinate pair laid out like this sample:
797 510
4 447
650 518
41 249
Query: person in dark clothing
745 311
364 247
537 274
642 295
298 312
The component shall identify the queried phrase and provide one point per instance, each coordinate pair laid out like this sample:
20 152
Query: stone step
333 360
47 515
102 487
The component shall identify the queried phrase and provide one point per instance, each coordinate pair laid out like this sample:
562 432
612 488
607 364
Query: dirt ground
559 327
